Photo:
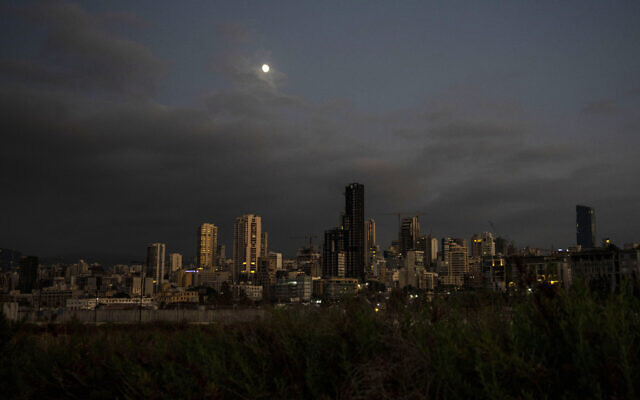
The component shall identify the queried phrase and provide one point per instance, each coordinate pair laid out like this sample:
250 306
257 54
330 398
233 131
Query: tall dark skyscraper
585 226
409 234
354 227
28 274
333 253
155 263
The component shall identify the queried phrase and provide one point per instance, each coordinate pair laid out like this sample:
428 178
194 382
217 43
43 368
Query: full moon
265 68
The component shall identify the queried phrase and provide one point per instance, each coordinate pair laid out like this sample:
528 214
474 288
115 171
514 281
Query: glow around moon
265 68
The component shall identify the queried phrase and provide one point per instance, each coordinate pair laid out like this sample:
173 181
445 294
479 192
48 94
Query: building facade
409 234
247 244
334 253
28 279
370 244
354 227
207 245
457 263
155 263
585 227
175 262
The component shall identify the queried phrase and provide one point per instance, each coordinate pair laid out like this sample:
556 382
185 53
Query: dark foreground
548 344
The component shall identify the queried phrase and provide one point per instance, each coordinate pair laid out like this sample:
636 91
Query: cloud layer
92 163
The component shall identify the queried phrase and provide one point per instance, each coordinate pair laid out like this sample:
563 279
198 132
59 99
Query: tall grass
548 344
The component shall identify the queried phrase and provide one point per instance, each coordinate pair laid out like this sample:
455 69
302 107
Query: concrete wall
137 316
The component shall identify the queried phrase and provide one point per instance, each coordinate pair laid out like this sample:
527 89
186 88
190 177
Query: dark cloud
233 32
601 107
126 19
634 92
111 173
143 172
76 54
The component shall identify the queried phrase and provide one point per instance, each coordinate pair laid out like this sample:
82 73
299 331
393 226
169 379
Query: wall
136 316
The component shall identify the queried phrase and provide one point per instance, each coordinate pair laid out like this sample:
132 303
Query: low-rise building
606 267
177 296
338 288
211 278
493 273
298 289
92 302
253 292
55 298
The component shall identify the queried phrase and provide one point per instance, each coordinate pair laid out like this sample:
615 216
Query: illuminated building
483 245
457 262
247 238
207 245
175 262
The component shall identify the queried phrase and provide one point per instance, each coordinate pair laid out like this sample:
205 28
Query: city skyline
193 256
250 240
319 199
126 124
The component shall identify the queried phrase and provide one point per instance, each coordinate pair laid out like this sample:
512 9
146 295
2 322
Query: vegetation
545 344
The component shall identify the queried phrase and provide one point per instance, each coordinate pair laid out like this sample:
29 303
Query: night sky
124 124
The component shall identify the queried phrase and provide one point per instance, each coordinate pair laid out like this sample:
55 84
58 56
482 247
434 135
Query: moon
265 68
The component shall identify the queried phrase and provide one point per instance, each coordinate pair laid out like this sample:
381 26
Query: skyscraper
432 253
585 226
175 261
264 244
207 245
444 248
476 246
488 244
333 253
483 245
28 277
247 238
155 262
354 227
428 245
457 262
369 240
409 234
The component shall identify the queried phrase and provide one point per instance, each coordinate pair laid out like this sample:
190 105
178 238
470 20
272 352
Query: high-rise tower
483 245
333 253
155 263
207 245
247 238
585 226
354 227
369 241
175 262
409 234
28 274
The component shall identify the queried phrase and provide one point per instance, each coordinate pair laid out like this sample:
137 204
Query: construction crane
493 227
309 236
495 232
400 214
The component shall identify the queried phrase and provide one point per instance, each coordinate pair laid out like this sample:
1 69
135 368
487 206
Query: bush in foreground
549 344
